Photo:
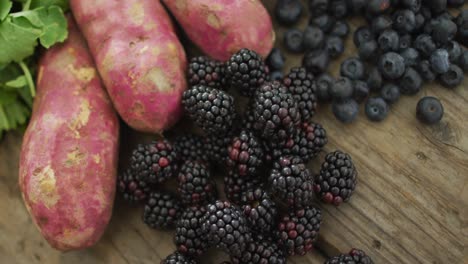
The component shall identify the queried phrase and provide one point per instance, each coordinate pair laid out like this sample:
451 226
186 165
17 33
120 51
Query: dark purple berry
411 82
288 12
392 65
335 46
316 61
293 40
361 91
353 68
345 111
390 93
314 38
453 77
429 110
376 109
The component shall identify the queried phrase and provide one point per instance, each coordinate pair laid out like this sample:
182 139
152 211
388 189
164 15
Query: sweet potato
222 27
70 149
139 57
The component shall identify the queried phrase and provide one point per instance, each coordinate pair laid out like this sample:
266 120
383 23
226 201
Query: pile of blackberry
263 154
402 45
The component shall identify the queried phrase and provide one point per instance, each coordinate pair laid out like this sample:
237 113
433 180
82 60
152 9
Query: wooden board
410 206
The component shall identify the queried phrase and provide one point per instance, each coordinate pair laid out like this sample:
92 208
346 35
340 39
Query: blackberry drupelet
261 251
291 181
307 142
235 186
196 186
189 237
216 147
298 230
226 228
337 179
245 154
205 71
211 109
355 256
190 147
302 86
155 162
178 258
246 71
161 210
260 210
132 189
275 112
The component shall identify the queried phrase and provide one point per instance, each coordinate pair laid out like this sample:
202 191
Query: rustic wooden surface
411 203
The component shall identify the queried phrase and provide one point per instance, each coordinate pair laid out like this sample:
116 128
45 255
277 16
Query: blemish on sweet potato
39 74
158 76
97 158
181 5
137 13
85 74
213 20
75 157
42 187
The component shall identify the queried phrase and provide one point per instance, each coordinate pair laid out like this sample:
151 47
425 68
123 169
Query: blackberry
235 186
298 230
261 251
275 112
211 109
293 39
205 71
337 179
259 209
245 71
307 143
132 189
216 147
189 237
355 256
346 111
196 186
226 228
429 110
291 181
155 162
301 85
190 147
161 210
178 258
245 154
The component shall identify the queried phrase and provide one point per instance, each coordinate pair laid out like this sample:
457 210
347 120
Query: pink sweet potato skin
70 149
222 27
139 57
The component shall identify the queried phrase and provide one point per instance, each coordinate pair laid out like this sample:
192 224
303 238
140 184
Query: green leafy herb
21 31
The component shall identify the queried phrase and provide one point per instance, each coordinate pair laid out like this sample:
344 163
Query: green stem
3 119
27 5
29 78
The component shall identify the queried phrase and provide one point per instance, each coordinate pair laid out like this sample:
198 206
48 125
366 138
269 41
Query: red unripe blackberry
337 179
155 162
245 154
132 189
298 230
196 186
205 71
260 210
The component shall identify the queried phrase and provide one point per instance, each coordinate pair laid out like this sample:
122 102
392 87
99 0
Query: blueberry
392 65
362 34
357 6
414 5
453 77
420 22
345 111
390 93
335 46
463 61
437 6
338 8
444 31
378 6
324 83
389 40
440 62
340 29
455 3
374 80
288 12
429 110
368 50
381 23
462 23
424 44
324 22
316 61
352 68
376 109
341 89
411 57
404 20
276 75
318 7
276 59
426 12
293 40
314 38
424 69
361 90
454 50
411 82
406 41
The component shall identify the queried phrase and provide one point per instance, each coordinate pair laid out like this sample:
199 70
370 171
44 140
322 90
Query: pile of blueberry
403 44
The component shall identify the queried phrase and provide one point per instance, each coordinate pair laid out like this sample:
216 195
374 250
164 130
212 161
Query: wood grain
410 206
